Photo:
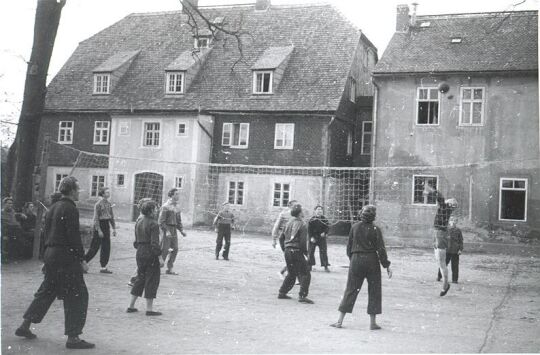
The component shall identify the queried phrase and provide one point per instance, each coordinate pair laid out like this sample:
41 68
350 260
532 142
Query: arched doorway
147 185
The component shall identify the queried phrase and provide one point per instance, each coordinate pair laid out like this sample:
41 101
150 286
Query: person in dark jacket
440 231
279 226
64 265
53 198
318 231
455 247
223 223
149 259
366 251
294 243
101 239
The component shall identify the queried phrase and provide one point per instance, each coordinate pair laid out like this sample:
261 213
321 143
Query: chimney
402 18
187 5
413 15
262 5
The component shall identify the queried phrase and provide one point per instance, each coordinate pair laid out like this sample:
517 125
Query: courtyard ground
232 307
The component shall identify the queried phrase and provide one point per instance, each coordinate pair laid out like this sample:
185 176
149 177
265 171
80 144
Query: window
281 195
175 83
471 111
513 199
262 82
419 197
284 136
151 134
236 193
352 89
98 181
428 106
101 132
235 135
456 40
179 182
120 180
123 128
202 42
349 143
102 83
65 132
367 133
181 129
57 179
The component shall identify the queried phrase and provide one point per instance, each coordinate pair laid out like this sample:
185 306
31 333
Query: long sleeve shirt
295 235
170 218
367 238
103 211
444 211
280 223
455 240
147 233
224 218
317 225
62 230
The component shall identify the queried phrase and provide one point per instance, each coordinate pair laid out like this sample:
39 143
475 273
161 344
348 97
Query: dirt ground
232 307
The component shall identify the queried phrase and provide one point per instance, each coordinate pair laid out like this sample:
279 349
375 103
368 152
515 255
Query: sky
83 18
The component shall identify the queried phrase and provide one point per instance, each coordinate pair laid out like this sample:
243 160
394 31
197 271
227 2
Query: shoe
326 269
305 300
438 279
225 258
153 313
104 271
217 257
284 296
374 327
336 325
80 344
131 310
445 291
22 332
170 272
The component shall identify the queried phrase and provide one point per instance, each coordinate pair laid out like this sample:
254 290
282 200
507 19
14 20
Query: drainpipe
373 141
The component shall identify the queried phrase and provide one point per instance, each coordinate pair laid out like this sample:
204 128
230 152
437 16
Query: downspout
373 142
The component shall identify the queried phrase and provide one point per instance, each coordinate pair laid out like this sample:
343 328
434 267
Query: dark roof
187 59
314 78
115 61
501 41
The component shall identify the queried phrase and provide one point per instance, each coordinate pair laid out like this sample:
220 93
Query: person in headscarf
366 251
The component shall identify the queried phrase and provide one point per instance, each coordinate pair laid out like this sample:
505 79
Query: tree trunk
23 150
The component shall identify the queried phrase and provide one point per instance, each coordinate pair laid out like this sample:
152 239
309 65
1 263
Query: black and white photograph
269 177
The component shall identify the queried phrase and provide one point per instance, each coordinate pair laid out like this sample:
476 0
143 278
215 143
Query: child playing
455 247
223 224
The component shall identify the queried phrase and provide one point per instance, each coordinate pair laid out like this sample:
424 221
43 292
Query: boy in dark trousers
455 247
223 224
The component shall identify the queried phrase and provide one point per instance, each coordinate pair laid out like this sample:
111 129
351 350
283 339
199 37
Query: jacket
294 236
443 211
365 237
317 226
455 240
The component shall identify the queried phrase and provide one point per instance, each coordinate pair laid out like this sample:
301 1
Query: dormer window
102 83
202 42
262 82
175 83
456 40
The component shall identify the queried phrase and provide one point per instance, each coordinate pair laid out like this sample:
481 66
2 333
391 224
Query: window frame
101 90
350 140
526 189
101 130
124 185
186 126
71 129
270 86
143 135
472 101
231 132
197 39
182 179
429 88
284 135
127 125
236 189
352 89
91 192
364 134
168 75
273 190
424 204
56 181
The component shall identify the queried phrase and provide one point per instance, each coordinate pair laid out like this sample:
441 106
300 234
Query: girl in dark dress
149 260
318 231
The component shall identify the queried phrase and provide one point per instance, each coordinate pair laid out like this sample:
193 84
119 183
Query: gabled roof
272 57
497 41
187 59
314 78
115 61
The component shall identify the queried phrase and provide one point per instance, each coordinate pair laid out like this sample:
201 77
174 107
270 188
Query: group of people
17 230
156 242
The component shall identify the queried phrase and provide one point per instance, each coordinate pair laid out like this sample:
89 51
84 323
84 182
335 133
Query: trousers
440 256
454 258
323 253
169 242
65 282
297 266
148 273
363 266
104 243
224 232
